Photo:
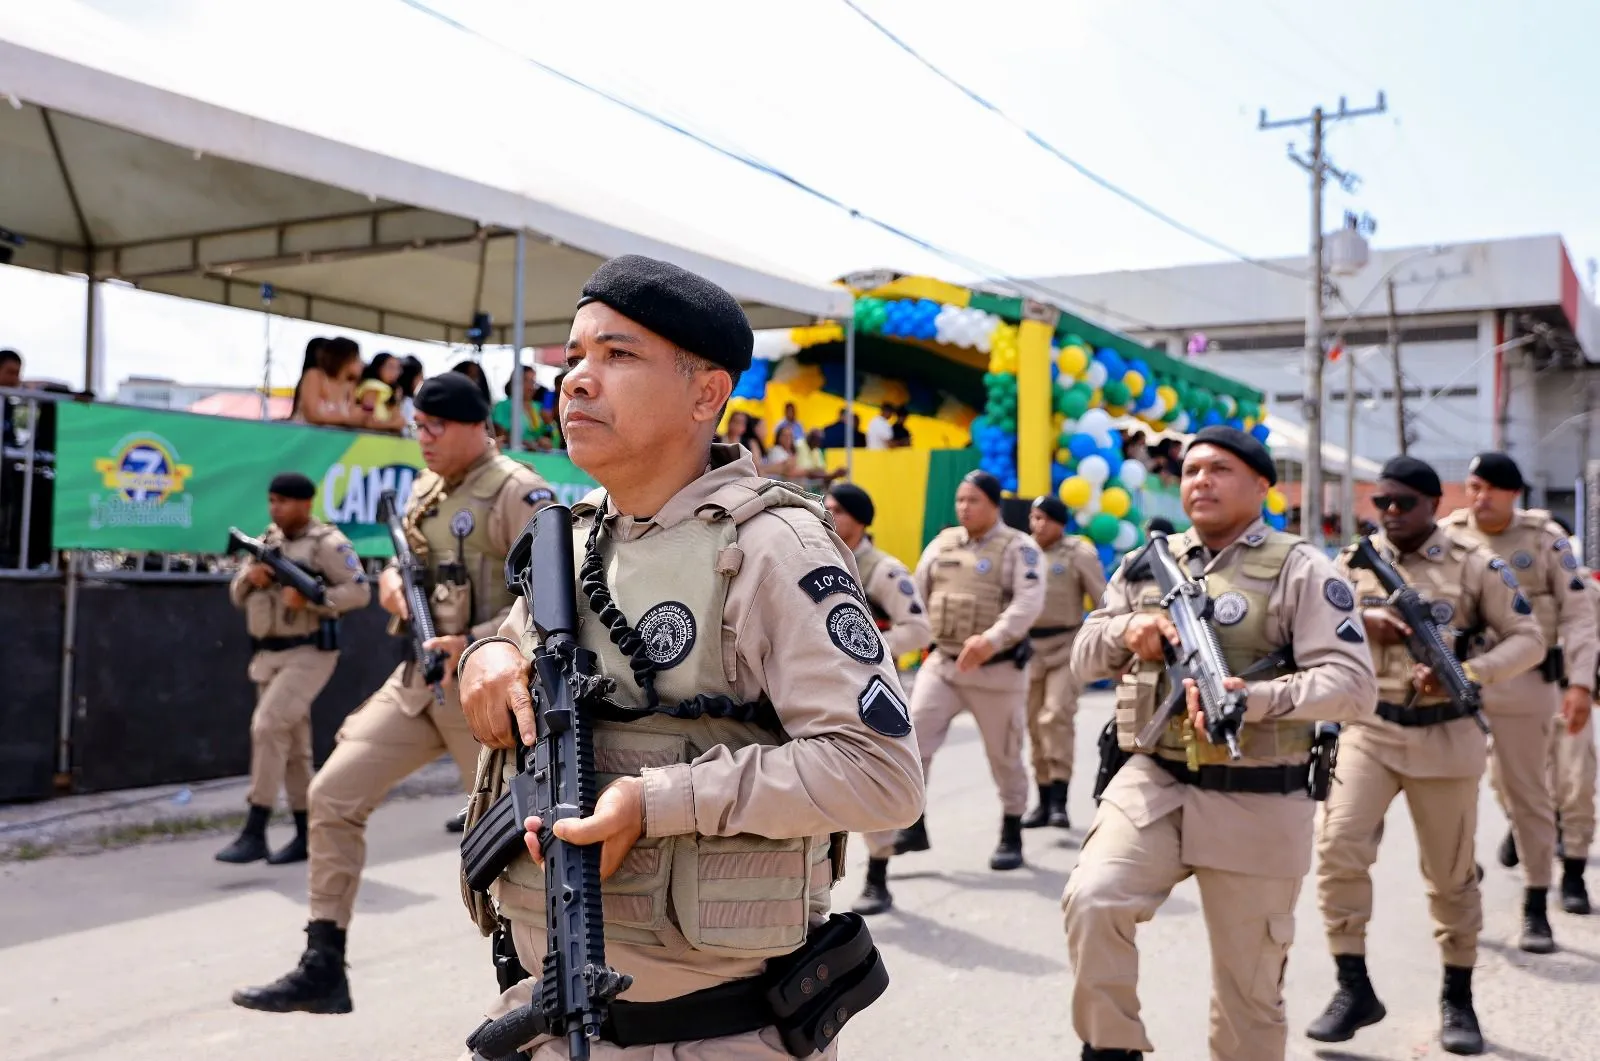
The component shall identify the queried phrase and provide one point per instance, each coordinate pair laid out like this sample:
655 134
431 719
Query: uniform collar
863 547
490 451
1436 547
727 464
968 539
1253 537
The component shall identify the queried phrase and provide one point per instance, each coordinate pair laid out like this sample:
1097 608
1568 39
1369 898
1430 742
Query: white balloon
1157 409
1094 422
1180 423
1095 469
1127 537
1069 426
1090 508
1102 438
1132 474
1095 374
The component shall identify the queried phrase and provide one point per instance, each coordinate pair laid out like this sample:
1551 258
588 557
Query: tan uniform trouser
1519 773
1444 811
280 728
997 698
1123 875
1572 770
1052 721
399 729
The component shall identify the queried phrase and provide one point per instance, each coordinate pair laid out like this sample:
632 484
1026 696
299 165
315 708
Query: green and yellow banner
149 479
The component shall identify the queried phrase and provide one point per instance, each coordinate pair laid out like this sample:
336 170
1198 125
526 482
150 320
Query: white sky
1489 132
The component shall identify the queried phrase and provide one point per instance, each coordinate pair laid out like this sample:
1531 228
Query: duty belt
1436 715
1050 631
281 644
1275 780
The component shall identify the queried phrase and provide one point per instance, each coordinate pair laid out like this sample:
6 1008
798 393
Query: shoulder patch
883 709
1030 555
916 609
854 634
1520 605
351 560
1337 593
1349 630
539 496
1031 576
1569 562
908 587
1254 538
1576 585
1434 551
1563 543
823 582
668 631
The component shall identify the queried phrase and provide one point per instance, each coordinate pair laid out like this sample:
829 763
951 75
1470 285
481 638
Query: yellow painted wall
897 479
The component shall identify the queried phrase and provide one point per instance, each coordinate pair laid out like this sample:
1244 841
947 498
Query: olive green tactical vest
264 613
968 586
741 896
1240 592
452 526
1522 545
1442 583
1063 592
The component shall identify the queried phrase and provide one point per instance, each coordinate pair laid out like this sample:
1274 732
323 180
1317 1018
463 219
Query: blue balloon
1236 423
1072 526
1108 558
1147 397
1080 445
1277 522
1143 368
1055 369
1010 482
1116 368
1261 432
1211 419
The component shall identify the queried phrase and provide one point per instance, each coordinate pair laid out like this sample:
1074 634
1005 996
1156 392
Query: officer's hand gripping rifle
576 986
430 661
1425 642
285 572
1198 656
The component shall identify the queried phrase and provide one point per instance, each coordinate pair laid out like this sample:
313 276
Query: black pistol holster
328 635
1112 758
1553 668
1324 760
508 970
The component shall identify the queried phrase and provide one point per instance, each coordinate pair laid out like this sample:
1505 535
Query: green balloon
1116 392
1249 411
1009 425
1077 340
1103 528
1074 403
1200 401
1135 517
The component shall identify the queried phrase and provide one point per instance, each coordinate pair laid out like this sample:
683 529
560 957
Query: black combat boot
294 850
1039 816
251 845
913 839
1058 806
316 985
1354 1005
458 823
1458 1029
875 897
1508 851
1008 852
1091 1054
1574 895
1536 935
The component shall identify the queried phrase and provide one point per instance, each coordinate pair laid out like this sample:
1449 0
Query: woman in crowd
326 393
376 394
474 371
780 462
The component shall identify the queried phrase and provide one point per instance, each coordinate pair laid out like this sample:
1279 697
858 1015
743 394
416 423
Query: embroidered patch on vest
1521 560
984 565
1058 569
1520 605
854 634
1442 611
908 587
461 523
1434 552
1569 562
1337 593
825 581
882 708
1229 608
1506 576
539 496
667 631
1030 555
1349 630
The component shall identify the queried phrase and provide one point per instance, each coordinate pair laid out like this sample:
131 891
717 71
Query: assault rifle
429 660
1198 657
576 986
285 572
1425 642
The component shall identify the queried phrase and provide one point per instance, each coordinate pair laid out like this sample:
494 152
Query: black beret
985 482
1498 470
855 501
292 485
1419 475
684 309
1052 507
1241 445
452 396
1161 525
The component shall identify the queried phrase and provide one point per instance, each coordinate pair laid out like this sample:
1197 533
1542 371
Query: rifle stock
430 661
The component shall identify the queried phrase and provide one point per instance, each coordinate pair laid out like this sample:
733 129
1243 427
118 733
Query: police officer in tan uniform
1524 711
1572 782
898 609
720 834
463 514
1073 574
1420 744
1183 808
296 648
984 586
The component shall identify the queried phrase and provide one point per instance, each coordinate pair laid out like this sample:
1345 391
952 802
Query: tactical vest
740 896
264 613
449 530
969 588
1441 583
1063 592
1522 545
867 562
1248 580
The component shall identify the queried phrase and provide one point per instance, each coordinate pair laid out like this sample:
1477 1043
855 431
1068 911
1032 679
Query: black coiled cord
592 578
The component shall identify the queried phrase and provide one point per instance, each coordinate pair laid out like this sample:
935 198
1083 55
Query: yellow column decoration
1035 426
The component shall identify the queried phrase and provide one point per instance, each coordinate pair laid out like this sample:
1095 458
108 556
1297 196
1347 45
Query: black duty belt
1050 631
281 644
1273 780
1435 715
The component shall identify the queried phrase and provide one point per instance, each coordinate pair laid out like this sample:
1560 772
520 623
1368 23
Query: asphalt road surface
133 953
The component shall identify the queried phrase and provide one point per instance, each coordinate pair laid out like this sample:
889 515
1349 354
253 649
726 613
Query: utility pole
1399 377
1319 169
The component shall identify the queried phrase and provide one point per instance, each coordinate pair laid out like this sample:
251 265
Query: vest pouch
452 608
1135 706
259 609
746 896
953 616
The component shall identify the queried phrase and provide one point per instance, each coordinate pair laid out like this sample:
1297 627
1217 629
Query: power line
986 272
1062 156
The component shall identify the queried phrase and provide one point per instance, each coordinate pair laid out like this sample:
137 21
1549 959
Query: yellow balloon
1117 410
1276 502
1134 382
1076 491
1115 500
1063 455
1097 400
1168 395
1073 360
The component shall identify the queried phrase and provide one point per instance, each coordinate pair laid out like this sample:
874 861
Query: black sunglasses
1399 502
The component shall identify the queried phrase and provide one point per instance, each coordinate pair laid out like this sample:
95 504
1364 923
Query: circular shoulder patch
1569 562
1442 611
1521 560
1030 555
984 565
667 631
1229 608
461 523
1337 593
908 587
854 634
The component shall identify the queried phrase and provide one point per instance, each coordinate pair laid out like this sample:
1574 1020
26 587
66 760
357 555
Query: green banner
137 479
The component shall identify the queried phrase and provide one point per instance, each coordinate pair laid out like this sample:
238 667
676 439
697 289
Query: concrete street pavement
133 953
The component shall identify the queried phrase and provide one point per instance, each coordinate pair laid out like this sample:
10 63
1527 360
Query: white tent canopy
125 158
1288 442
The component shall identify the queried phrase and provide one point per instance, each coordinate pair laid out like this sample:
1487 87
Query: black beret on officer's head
293 485
1419 475
688 311
452 396
985 482
1053 507
1498 470
1241 445
855 501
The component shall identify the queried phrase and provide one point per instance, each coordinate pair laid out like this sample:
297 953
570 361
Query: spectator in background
779 462
753 441
10 376
376 394
538 428
327 388
474 371
902 433
833 436
737 428
312 361
1134 447
406 387
880 430
790 420
810 467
